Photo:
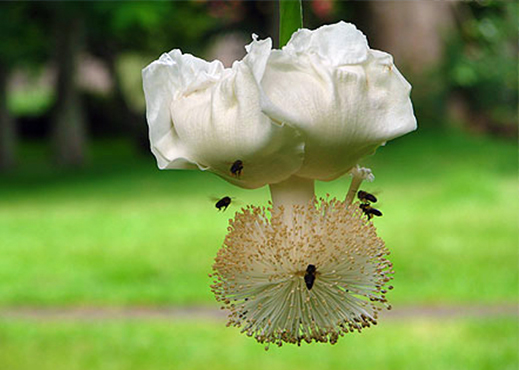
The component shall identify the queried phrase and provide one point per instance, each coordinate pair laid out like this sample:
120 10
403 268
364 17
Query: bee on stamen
310 276
369 211
365 205
366 197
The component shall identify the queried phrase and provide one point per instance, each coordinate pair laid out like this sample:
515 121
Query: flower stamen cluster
259 272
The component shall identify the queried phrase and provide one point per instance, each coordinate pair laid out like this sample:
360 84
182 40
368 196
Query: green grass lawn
474 344
121 232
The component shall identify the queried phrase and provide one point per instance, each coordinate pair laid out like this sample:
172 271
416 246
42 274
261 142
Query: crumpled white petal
345 98
336 44
203 115
164 80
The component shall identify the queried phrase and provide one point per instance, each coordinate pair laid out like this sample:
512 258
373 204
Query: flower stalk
290 19
294 190
358 174
288 195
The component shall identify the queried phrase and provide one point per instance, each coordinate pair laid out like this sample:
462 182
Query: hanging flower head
301 270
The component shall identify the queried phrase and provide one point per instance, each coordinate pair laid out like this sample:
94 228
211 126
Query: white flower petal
344 110
164 79
336 44
200 113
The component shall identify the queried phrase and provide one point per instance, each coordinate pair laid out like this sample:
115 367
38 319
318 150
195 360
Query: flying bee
369 211
223 203
366 197
310 276
236 168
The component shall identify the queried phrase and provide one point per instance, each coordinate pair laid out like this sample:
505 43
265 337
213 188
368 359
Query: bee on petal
236 168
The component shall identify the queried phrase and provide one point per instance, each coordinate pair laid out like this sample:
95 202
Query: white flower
312 109
315 280
301 270
203 115
345 98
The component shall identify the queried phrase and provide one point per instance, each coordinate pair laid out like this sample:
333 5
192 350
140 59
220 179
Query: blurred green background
104 258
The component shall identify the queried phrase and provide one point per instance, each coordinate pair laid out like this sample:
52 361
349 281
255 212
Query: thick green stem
290 19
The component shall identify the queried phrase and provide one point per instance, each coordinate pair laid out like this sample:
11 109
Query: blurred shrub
481 65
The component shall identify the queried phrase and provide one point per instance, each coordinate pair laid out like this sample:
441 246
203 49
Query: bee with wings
365 205
222 203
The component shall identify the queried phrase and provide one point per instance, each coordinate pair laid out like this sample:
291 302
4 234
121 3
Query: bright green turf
474 344
121 232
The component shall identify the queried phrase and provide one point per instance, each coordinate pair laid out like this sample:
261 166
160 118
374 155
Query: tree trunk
7 126
69 131
135 122
413 31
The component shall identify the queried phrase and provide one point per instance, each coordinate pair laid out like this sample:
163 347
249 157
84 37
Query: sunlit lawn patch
476 344
120 232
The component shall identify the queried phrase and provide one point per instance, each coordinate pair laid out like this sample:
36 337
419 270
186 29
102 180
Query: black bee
310 276
366 197
369 211
236 168
223 203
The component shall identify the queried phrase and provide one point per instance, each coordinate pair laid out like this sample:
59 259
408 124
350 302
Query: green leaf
290 19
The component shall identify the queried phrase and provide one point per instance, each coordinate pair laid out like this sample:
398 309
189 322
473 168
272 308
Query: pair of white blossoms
309 111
